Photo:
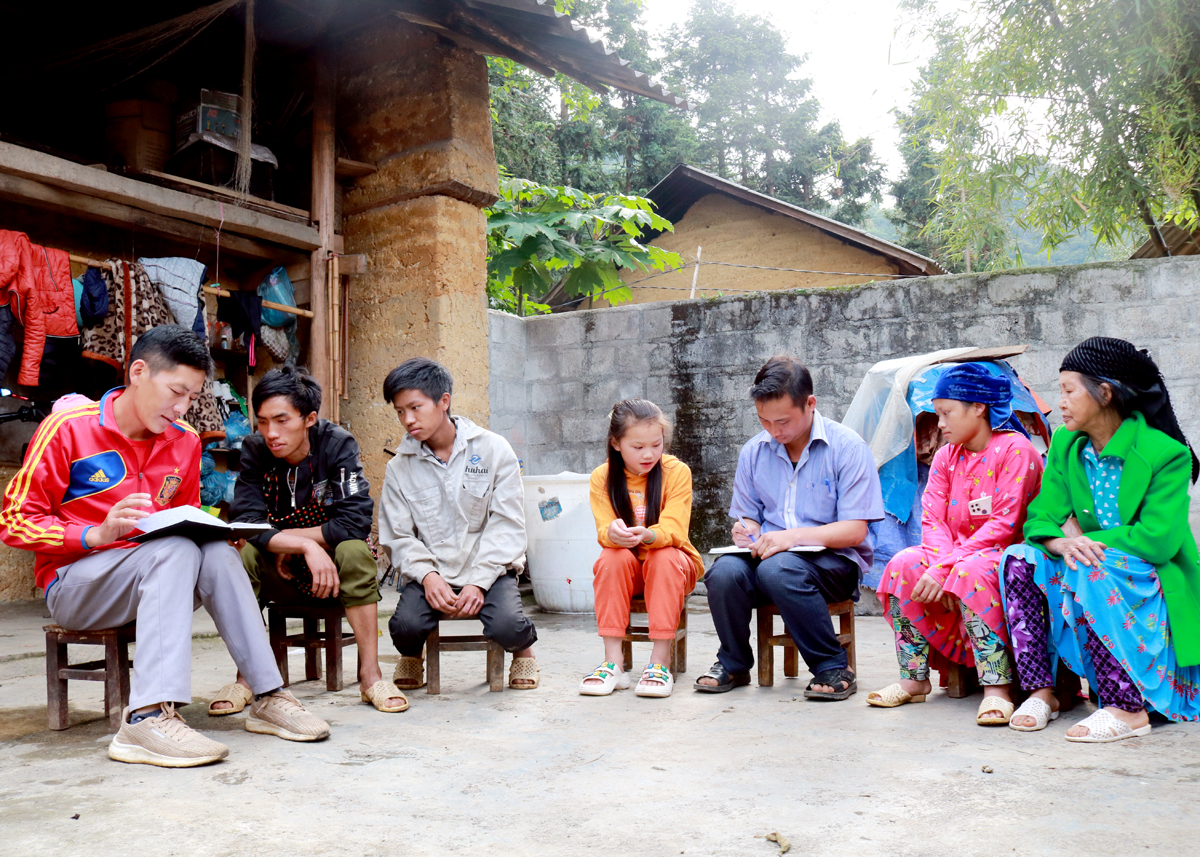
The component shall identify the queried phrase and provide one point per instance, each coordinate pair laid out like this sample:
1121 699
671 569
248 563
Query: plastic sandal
893 696
380 692
236 694
409 674
1104 728
1038 710
613 679
726 680
994 703
524 669
832 678
655 672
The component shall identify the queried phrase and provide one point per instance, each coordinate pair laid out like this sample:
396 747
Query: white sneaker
165 740
282 715
610 679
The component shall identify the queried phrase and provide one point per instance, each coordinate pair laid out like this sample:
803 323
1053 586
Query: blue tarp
898 477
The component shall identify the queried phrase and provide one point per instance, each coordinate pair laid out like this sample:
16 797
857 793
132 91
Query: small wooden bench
312 639
641 634
435 644
113 670
768 640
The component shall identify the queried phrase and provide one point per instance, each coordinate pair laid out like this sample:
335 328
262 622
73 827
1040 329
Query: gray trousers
160 584
503 619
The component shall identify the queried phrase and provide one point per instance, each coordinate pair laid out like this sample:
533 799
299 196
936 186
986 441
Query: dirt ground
552 772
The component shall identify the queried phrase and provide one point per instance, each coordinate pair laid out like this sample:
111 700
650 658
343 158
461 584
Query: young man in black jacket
303 476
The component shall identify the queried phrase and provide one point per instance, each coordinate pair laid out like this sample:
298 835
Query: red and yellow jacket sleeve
28 520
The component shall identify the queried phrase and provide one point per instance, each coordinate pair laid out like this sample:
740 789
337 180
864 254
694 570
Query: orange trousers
666 579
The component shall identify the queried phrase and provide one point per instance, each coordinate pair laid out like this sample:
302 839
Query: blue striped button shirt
834 480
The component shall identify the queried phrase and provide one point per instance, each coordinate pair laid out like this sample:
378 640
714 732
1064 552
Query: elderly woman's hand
1071 528
1077 549
926 590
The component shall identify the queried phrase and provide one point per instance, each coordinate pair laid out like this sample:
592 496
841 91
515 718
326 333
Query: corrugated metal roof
1179 242
534 34
685 185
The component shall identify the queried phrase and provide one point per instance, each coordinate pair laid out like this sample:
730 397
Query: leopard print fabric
108 342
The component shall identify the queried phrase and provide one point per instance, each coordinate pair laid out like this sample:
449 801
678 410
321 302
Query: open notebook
736 549
190 522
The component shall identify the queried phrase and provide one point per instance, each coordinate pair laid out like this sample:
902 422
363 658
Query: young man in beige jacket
452 522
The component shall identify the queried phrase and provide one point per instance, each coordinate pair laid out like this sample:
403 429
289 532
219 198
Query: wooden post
323 189
696 273
335 313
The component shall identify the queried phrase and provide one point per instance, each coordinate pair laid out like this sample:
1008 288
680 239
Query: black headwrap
1121 364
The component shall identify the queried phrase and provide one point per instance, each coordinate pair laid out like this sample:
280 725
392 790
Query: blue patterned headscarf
972 382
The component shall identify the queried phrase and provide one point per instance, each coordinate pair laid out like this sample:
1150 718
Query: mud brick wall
554 378
417 106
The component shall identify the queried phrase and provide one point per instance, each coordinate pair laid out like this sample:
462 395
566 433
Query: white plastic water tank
562 542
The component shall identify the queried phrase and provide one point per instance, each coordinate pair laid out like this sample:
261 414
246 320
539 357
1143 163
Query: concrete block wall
697 358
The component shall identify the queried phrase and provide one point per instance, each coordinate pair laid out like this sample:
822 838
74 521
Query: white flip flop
1104 728
1038 710
611 679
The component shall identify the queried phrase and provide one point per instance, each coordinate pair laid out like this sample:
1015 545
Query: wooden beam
348 169
254 203
324 162
49 170
354 263
97 210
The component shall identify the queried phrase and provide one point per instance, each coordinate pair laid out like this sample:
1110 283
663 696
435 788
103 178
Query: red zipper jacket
78 467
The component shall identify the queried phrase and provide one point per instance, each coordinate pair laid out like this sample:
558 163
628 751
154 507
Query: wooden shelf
60 185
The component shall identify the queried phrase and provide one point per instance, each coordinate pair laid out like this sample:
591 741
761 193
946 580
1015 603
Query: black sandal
726 680
832 678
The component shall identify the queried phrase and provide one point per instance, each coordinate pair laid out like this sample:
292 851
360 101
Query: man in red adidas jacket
90 475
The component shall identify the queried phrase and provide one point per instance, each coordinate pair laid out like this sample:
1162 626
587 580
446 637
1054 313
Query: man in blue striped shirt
804 482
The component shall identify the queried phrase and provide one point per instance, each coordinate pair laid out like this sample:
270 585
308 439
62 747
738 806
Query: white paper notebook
736 549
192 523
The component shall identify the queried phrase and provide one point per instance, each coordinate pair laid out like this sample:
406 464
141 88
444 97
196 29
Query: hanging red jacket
52 282
18 291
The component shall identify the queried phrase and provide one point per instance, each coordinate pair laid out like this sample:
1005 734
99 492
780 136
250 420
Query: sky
861 67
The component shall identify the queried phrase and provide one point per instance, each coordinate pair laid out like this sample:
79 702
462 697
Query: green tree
541 236
756 120
1089 110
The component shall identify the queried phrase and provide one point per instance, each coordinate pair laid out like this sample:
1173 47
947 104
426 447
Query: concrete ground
552 772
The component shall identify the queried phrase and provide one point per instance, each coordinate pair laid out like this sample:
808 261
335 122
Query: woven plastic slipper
1104 728
238 695
409 673
380 692
893 696
994 703
1038 710
524 669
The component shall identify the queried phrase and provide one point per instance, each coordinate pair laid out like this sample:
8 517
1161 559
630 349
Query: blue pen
746 527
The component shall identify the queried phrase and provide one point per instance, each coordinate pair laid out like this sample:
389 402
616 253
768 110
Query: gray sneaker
281 714
165 740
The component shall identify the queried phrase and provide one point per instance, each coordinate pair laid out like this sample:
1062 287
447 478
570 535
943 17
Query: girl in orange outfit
642 502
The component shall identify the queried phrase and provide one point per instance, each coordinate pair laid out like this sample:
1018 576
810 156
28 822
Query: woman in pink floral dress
943 595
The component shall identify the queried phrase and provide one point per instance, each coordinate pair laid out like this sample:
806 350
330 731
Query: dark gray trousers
503 619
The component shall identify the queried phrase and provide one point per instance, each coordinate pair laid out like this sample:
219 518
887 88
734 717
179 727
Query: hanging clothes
8 340
137 306
179 279
243 312
51 272
18 292
93 302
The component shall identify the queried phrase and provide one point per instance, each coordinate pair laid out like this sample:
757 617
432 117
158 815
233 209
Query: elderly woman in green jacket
1108 579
